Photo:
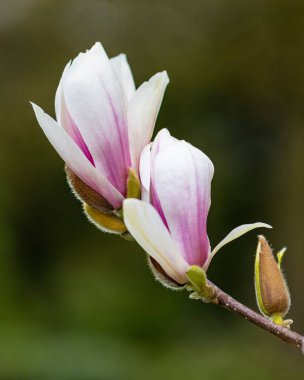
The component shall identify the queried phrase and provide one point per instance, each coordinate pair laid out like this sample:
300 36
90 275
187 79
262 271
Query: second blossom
170 222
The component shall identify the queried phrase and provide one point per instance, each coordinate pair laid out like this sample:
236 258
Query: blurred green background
79 304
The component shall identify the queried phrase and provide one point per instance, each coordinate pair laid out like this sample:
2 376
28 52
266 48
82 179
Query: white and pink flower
102 122
170 222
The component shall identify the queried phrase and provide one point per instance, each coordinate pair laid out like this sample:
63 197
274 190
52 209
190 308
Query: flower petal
124 73
64 119
58 96
236 233
94 98
183 175
142 113
162 141
75 159
146 226
145 173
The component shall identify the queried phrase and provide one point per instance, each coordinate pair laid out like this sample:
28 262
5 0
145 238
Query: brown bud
161 276
271 289
86 194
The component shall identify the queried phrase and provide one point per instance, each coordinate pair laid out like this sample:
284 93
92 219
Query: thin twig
284 333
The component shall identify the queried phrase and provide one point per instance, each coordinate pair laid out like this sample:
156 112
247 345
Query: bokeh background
81 305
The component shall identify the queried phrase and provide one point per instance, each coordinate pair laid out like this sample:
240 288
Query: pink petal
182 176
162 141
95 100
75 159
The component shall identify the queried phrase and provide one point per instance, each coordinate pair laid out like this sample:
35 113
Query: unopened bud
86 194
272 292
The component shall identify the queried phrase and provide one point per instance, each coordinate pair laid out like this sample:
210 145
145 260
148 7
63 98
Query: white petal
237 232
183 175
94 98
58 96
142 113
146 226
124 73
65 120
145 172
75 159
162 140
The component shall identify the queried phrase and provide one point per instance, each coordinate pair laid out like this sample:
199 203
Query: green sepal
107 222
198 281
280 256
133 185
278 320
197 278
257 284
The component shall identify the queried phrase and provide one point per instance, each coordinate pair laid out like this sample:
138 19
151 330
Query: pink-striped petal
65 120
75 159
162 141
183 177
94 97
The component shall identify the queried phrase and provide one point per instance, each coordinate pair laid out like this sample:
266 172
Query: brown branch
284 333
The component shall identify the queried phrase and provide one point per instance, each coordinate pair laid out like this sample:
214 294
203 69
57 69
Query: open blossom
102 122
170 222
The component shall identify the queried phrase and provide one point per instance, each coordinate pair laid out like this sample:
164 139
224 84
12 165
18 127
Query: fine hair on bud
86 194
161 276
271 289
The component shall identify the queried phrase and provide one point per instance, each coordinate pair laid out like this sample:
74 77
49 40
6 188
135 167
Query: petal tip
164 77
265 225
38 110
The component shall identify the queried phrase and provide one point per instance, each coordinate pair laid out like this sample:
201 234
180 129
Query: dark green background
79 304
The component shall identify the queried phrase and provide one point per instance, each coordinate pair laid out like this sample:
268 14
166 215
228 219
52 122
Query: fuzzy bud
272 292
161 276
86 194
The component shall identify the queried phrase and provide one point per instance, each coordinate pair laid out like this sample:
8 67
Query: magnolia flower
102 122
170 222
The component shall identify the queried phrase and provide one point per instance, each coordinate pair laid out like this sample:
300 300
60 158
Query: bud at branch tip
272 293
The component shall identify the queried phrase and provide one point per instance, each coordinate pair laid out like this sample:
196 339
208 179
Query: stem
223 299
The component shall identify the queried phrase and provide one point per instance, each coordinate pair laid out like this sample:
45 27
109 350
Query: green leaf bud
198 281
